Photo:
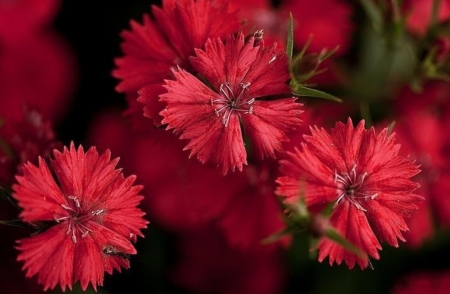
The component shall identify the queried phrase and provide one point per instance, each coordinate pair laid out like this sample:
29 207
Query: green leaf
302 52
326 54
276 236
290 39
300 90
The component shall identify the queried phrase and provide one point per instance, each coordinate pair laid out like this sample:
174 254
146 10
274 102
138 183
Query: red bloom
24 140
21 18
206 264
423 282
328 21
421 119
419 14
240 75
167 40
40 74
96 217
262 14
365 179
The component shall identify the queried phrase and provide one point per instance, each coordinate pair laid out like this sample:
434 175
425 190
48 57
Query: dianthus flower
163 41
93 213
240 82
365 180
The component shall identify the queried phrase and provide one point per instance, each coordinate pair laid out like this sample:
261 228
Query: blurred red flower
24 140
363 177
423 282
96 215
207 264
40 74
419 14
328 22
421 119
20 19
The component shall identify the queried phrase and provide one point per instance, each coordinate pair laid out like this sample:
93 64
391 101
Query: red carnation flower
239 75
164 41
365 179
94 215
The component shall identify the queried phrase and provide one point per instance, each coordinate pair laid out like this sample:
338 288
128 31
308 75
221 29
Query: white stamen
350 187
229 103
273 59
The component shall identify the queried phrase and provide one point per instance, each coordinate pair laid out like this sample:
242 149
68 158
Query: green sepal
277 236
290 39
300 90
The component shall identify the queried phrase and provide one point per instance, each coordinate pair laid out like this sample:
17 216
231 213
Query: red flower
164 41
419 13
329 22
423 282
421 119
365 179
20 19
24 140
96 217
207 264
240 75
40 74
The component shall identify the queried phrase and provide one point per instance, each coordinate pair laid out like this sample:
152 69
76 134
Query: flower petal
38 194
267 124
50 255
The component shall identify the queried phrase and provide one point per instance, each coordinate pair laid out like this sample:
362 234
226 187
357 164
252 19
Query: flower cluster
250 130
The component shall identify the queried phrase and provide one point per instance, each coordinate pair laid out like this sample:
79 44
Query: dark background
92 30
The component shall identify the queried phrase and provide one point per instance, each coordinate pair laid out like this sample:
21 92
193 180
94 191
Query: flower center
75 222
228 103
350 187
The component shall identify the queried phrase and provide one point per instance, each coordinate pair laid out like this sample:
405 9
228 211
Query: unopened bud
306 67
